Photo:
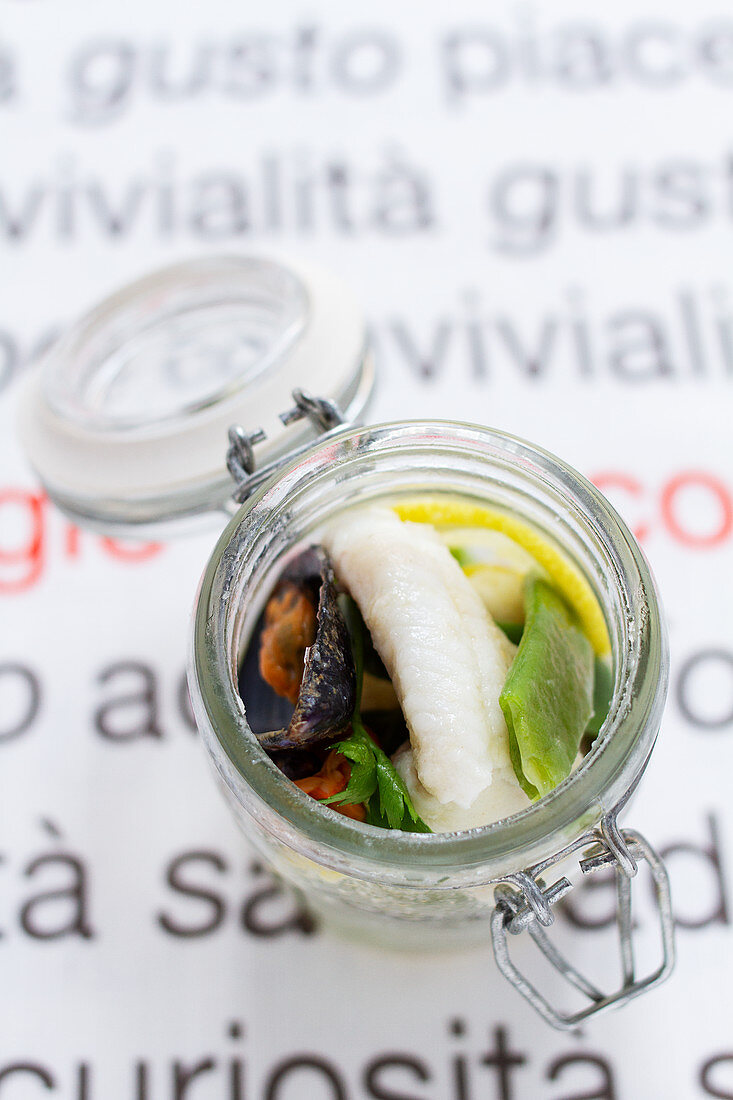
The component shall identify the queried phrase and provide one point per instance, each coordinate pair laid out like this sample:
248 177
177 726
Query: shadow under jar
428 890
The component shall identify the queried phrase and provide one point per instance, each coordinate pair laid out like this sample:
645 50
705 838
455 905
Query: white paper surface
534 204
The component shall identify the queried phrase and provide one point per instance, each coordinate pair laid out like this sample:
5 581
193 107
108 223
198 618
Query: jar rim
601 784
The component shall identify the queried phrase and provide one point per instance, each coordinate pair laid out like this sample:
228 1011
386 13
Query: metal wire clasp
523 902
324 415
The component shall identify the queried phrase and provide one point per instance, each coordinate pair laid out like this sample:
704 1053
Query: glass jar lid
126 420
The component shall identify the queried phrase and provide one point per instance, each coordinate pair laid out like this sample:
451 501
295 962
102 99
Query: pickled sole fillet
502 799
446 657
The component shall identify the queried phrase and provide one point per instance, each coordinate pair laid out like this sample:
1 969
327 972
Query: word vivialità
527 206
472 340
475 339
277 192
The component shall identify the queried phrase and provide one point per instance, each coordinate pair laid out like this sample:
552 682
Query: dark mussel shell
299 763
327 695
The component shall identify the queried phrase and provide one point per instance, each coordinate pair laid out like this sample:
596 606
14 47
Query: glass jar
412 889
126 426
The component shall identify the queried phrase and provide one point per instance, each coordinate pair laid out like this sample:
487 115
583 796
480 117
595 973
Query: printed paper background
534 204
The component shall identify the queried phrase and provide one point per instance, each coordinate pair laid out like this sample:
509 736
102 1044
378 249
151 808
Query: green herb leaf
375 816
547 697
374 779
363 779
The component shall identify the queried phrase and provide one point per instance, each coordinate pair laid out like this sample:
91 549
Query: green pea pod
547 697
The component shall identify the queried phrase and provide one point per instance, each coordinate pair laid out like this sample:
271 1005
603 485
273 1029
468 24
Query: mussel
302 626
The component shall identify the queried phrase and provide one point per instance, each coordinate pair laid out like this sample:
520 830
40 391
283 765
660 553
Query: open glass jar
402 888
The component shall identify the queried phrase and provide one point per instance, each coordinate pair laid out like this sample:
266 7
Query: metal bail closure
325 416
525 903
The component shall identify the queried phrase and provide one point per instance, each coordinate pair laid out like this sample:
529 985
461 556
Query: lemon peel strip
566 577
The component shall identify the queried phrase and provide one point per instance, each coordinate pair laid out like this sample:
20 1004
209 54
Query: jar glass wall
392 886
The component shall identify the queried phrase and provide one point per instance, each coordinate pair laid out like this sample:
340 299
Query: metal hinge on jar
325 416
523 902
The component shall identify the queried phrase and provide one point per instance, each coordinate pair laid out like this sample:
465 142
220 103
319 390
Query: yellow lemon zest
564 575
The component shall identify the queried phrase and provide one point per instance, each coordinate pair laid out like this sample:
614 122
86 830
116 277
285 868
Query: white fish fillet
502 799
446 657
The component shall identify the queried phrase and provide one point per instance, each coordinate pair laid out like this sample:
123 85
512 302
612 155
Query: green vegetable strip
602 695
462 556
513 631
374 778
547 698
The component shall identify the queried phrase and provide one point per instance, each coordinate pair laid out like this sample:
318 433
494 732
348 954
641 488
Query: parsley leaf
374 779
363 780
392 806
